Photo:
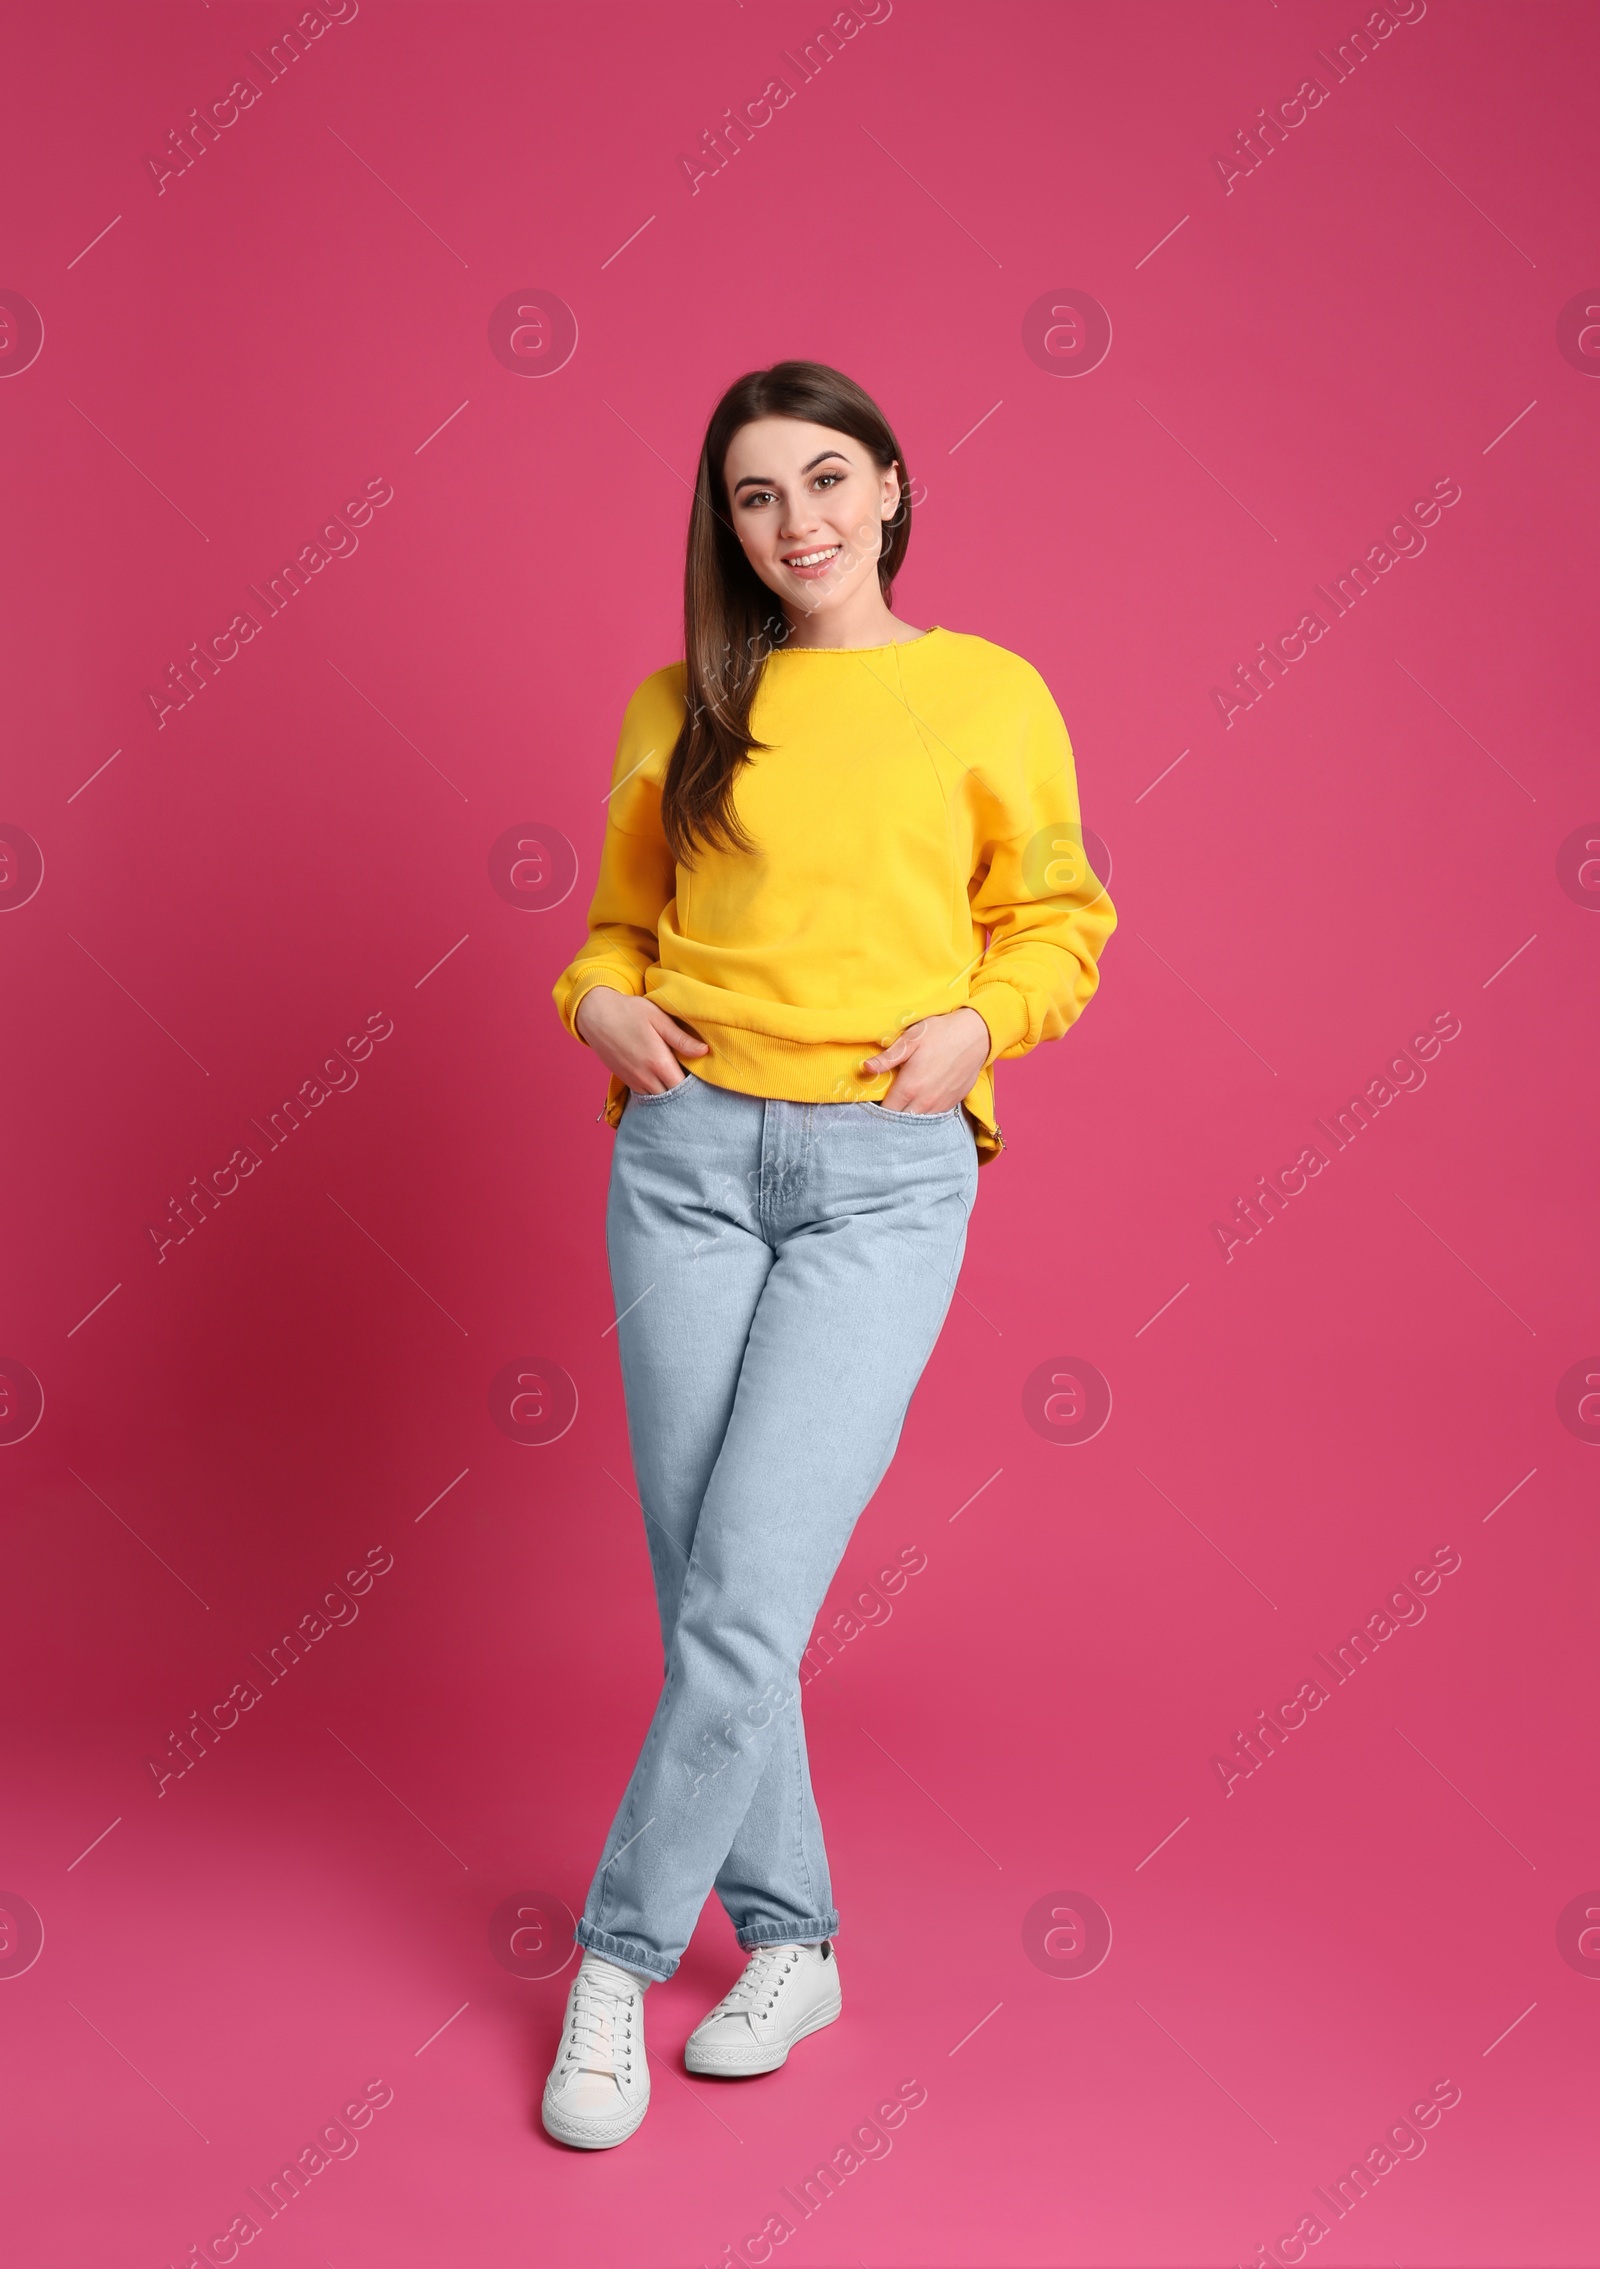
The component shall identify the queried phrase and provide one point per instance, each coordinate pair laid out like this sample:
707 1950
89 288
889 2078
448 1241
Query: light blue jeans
781 1273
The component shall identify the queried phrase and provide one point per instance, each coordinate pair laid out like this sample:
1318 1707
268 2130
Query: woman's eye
755 498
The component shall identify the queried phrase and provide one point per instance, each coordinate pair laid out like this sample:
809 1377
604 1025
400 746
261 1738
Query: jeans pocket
663 1095
917 1118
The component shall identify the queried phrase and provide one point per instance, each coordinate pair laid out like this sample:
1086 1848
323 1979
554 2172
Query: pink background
229 1429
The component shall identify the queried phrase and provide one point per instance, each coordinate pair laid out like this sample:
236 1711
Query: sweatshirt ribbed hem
806 1071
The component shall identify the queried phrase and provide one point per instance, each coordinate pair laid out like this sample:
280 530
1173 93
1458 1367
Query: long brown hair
731 620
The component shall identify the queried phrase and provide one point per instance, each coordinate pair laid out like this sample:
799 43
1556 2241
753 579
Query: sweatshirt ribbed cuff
1004 1011
590 976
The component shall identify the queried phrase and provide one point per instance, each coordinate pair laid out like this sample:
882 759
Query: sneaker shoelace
765 1975
600 2030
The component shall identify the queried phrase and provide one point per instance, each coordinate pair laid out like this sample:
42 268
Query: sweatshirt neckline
934 630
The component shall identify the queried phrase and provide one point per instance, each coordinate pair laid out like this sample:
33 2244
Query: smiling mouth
813 559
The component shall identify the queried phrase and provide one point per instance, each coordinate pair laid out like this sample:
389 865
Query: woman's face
809 505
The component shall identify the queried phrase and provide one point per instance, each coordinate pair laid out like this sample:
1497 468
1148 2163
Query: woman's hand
936 1061
636 1040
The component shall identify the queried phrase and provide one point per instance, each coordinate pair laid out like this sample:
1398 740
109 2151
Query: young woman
842 874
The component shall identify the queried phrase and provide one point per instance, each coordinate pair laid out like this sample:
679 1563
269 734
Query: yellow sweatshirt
913 797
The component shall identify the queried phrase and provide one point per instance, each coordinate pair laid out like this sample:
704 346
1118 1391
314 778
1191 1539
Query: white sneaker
599 2086
785 1993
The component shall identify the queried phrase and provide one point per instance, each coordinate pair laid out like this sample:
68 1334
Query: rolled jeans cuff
623 1950
800 1933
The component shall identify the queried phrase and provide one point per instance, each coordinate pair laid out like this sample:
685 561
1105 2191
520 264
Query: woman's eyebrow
765 480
